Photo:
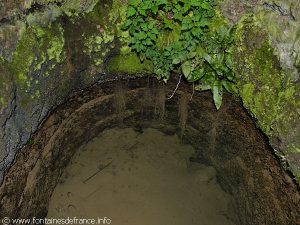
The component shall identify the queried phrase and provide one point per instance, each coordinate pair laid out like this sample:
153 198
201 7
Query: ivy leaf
152 36
142 35
154 31
178 16
196 32
186 7
195 3
127 24
144 26
194 43
142 11
177 60
205 5
147 42
130 11
135 2
217 94
154 9
186 68
162 2
203 23
185 26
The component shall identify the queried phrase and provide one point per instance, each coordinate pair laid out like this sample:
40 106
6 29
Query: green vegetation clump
130 64
184 36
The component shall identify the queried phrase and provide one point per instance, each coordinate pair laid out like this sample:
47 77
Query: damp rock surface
140 178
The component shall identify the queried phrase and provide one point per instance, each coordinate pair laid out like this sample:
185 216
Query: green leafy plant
184 36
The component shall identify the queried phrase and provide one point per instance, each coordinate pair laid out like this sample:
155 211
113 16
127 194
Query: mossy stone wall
50 49
267 67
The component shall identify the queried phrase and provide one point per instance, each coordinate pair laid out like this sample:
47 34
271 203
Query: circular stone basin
140 178
246 168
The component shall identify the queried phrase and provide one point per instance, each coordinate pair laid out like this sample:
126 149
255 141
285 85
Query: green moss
98 45
264 87
129 64
261 93
117 17
37 46
247 93
55 46
297 176
76 7
266 91
105 23
261 82
293 149
5 83
285 39
98 14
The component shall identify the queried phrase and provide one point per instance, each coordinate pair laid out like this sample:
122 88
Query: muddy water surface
140 179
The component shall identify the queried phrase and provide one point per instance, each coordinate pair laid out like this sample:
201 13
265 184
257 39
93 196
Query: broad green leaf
229 86
192 55
176 60
194 43
142 35
217 94
198 74
200 51
186 68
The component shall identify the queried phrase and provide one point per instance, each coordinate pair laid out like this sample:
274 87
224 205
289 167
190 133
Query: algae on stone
129 64
5 84
38 48
266 90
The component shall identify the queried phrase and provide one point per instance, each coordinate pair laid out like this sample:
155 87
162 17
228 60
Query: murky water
140 179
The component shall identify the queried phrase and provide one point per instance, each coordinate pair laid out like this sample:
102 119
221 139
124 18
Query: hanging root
193 91
147 101
176 88
120 100
160 103
183 113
